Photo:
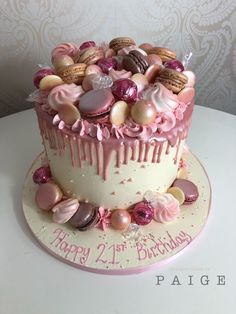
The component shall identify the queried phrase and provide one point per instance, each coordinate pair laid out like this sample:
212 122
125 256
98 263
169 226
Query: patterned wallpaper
29 29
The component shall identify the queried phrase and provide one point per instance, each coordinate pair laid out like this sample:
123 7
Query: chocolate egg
145 46
48 195
182 173
152 72
106 64
42 175
177 193
154 59
92 69
143 112
143 213
61 61
120 219
87 83
119 112
68 113
125 89
140 80
48 82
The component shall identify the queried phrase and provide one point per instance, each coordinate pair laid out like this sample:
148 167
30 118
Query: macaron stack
121 92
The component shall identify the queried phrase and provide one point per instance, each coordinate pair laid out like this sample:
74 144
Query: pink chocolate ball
40 74
106 64
87 44
120 219
174 65
125 89
42 175
143 213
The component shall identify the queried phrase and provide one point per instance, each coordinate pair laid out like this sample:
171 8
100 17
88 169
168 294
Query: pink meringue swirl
166 207
65 93
179 111
83 127
68 49
117 131
64 210
132 129
167 122
161 97
122 74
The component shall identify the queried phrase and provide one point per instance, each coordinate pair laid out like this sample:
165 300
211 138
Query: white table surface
34 282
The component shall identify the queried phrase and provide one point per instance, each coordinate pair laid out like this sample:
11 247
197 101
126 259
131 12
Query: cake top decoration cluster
114 90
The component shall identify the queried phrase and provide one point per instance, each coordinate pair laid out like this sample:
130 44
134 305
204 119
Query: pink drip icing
141 149
134 150
60 142
45 130
159 152
90 149
155 152
63 139
147 148
84 150
99 166
107 152
79 152
177 151
91 159
126 153
118 158
49 133
72 151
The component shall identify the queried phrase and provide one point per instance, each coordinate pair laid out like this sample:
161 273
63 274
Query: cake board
114 252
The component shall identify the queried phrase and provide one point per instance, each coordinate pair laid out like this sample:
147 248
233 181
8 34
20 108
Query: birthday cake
114 118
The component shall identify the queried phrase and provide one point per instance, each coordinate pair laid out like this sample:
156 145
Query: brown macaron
86 217
135 62
164 53
73 73
121 42
90 55
173 80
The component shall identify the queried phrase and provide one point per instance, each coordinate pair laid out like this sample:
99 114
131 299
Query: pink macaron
189 188
95 105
